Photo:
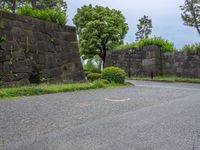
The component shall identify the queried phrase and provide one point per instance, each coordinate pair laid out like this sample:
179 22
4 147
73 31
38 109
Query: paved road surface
154 116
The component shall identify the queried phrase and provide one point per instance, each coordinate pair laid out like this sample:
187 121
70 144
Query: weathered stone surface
136 62
20 76
37 48
181 64
148 62
1 56
139 62
1 67
21 67
6 67
18 55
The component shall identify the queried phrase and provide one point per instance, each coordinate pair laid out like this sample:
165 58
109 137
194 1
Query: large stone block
6 77
148 62
18 55
21 76
179 70
5 24
21 67
66 36
39 59
49 60
1 56
1 67
6 67
55 72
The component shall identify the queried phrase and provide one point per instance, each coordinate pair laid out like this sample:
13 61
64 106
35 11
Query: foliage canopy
192 47
98 29
191 14
144 28
13 5
165 45
52 15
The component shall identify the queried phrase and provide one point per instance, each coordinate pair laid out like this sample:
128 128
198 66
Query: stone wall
137 62
182 64
34 51
141 62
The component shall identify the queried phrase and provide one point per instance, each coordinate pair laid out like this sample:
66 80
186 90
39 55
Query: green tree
98 29
144 28
191 14
52 4
8 5
12 5
33 3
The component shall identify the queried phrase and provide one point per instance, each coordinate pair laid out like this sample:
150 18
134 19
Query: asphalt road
148 116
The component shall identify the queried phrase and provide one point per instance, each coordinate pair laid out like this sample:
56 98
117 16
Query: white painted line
116 100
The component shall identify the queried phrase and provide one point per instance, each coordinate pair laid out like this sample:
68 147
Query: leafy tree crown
98 29
191 14
144 28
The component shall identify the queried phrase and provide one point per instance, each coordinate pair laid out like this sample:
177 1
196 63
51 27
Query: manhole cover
2 143
116 99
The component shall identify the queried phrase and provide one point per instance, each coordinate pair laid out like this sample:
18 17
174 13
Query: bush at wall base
93 76
114 74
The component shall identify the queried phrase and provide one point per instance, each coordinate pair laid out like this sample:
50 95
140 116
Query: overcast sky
165 15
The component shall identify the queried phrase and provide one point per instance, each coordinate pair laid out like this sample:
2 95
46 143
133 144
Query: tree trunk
4 3
33 3
13 6
100 65
104 58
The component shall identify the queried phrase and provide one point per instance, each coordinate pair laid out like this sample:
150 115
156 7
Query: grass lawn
168 79
6 93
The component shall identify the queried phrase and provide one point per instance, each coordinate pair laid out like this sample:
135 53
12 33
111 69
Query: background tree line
13 5
100 29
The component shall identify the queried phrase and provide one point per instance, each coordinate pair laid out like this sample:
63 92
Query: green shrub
93 76
96 70
87 73
114 74
4 10
88 69
165 45
193 47
52 15
104 81
98 84
85 69
126 46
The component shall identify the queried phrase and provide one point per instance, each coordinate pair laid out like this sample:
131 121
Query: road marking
2 143
117 100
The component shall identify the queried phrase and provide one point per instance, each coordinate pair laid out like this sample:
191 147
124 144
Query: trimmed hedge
114 74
